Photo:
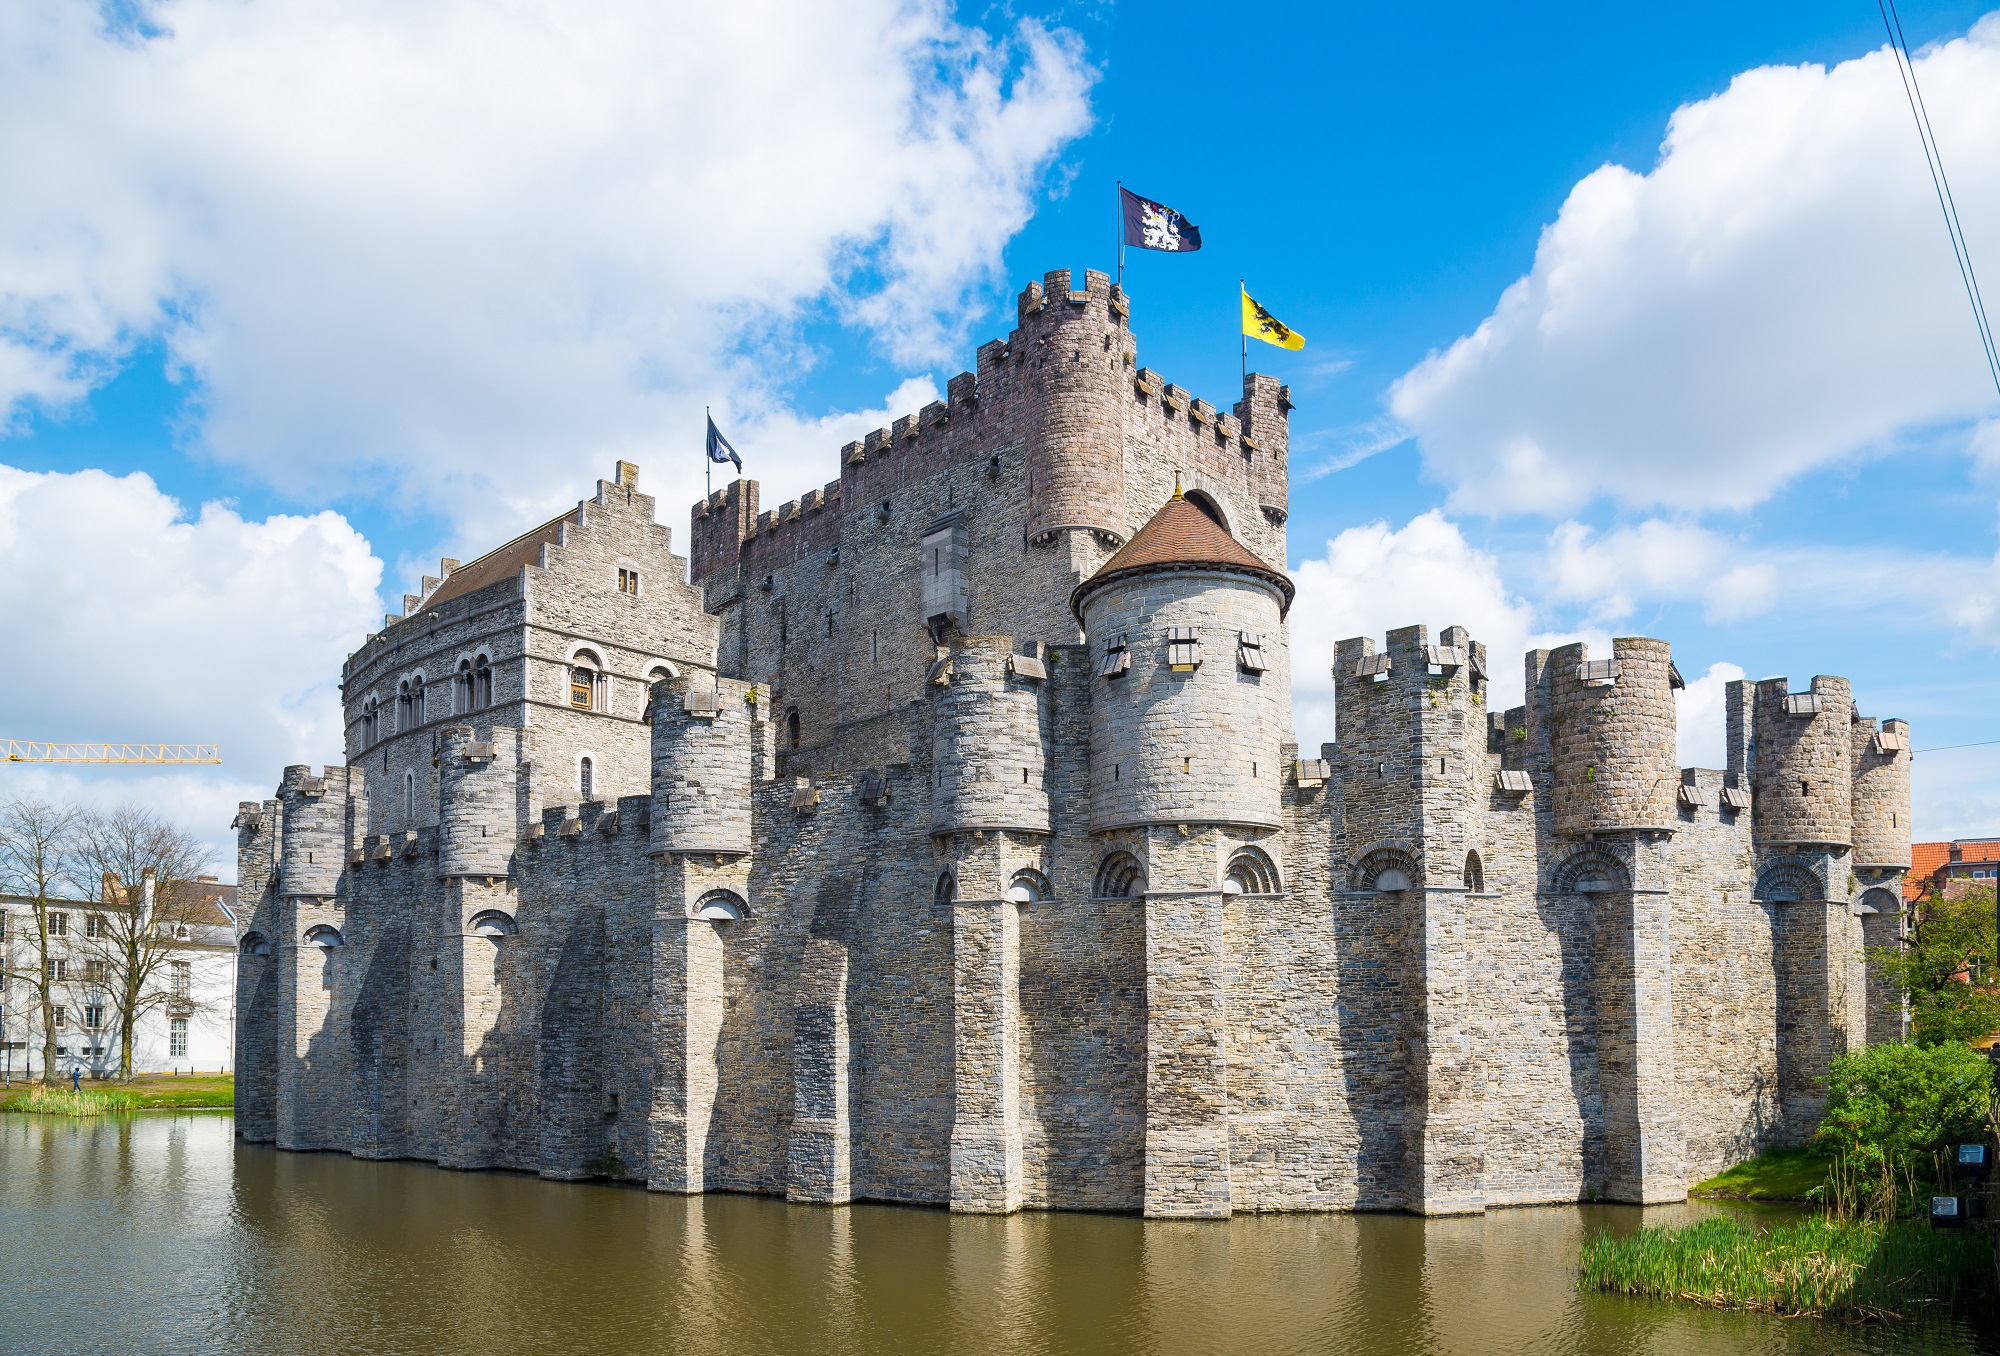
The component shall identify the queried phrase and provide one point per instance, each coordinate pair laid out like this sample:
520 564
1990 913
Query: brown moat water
160 1234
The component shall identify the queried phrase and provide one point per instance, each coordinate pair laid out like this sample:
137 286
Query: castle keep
940 837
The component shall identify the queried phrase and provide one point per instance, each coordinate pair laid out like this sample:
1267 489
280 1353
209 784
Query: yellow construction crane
33 751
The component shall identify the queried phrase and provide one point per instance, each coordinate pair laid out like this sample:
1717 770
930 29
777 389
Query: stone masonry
940 837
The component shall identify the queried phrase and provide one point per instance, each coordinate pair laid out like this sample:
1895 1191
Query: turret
1071 351
313 839
1803 765
1881 803
703 738
989 741
477 808
1615 767
1191 698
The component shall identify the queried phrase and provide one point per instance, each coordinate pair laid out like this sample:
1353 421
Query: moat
163 1234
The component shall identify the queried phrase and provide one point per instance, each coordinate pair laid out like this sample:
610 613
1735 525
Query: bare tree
37 857
147 869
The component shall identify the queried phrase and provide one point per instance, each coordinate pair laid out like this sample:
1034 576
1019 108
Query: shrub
1890 1109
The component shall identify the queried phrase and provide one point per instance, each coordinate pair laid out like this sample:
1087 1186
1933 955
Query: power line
1900 48
1978 744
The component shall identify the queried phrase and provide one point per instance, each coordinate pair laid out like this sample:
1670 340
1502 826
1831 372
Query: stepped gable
503 563
1181 537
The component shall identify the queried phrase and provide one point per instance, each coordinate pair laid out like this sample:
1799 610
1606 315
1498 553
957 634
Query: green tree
1947 967
1890 1108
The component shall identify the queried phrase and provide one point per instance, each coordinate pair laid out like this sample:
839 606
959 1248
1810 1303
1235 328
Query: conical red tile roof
1181 537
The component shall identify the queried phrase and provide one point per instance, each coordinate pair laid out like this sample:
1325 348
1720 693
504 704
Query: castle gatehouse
940 837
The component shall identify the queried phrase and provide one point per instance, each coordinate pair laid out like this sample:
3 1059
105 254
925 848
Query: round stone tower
701 765
1070 352
1881 805
1191 683
313 843
1803 765
476 803
1615 765
988 744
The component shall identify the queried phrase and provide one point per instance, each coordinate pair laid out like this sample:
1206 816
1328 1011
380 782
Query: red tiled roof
504 563
1927 859
1180 537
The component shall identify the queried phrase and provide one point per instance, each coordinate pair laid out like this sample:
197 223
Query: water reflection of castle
943 841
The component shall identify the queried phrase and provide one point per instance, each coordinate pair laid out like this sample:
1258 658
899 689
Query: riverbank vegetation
1817 1266
148 1092
1868 1251
1777 1174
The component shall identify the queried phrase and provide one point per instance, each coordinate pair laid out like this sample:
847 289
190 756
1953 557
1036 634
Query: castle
939 837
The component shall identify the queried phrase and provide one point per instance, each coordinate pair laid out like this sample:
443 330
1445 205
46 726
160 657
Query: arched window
417 713
482 683
947 889
1591 872
1027 887
1119 876
1251 872
371 716
1209 507
719 906
792 726
325 936
585 778
586 672
1475 875
256 944
461 689
410 797
492 923
403 721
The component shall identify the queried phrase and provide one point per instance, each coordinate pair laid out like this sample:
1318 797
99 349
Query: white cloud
1775 294
1698 717
1376 579
128 620
472 253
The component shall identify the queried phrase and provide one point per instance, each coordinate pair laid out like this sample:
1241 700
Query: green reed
53 1100
1851 1268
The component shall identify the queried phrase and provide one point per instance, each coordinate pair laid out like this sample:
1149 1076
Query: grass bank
147 1092
1816 1266
1774 1175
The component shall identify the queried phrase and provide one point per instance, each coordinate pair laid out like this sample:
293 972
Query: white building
189 1032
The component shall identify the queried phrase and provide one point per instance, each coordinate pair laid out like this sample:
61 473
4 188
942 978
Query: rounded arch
1589 872
1206 502
1250 871
946 891
1027 886
720 906
325 936
255 944
1475 874
1119 876
1881 900
588 768
584 652
792 726
659 669
494 923
1789 883
1386 871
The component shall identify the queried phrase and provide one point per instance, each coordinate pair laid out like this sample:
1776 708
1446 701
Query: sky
1618 322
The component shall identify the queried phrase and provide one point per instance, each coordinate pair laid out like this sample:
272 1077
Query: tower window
585 780
628 582
1805 788
482 684
585 675
792 726
1183 649
409 796
1250 652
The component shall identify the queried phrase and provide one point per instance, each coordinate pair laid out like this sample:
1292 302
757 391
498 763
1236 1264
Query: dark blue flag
1155 226
719 448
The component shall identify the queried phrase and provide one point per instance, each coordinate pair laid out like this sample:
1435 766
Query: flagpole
1242 338
1118 249
707 462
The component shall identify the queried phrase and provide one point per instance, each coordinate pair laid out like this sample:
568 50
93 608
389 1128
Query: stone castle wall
886 890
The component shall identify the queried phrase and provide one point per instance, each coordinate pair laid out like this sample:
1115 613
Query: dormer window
628 582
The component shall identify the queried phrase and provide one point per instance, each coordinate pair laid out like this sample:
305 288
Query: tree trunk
48 1036
126 1021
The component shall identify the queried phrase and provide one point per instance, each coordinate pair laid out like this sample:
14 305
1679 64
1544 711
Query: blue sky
376 285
